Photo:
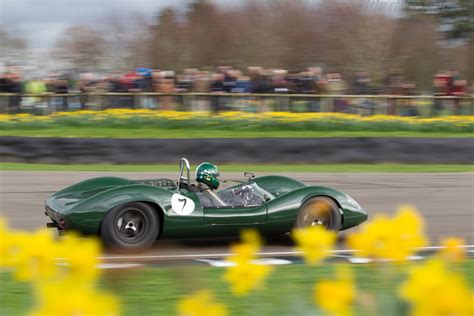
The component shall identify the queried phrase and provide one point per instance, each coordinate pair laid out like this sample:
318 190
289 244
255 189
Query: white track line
220 255
210 258
263 261
210 255
119 265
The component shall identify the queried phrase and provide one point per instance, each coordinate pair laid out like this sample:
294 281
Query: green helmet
207 173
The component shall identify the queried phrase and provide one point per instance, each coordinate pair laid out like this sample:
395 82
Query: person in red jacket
458 89
441 88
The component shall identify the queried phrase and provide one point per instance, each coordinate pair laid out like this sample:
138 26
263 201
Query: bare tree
360 40
12 46
456 20
116 39
126 39
340 35
165 50
414 49
82 47
207 37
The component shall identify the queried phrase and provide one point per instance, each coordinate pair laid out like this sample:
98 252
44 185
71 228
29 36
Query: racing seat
209 199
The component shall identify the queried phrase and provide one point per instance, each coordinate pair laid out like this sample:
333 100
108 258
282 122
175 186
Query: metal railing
417 105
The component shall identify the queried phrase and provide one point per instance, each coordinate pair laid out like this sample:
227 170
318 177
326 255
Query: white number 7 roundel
182 205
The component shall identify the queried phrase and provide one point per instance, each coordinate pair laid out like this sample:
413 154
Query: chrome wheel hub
316 217
131 224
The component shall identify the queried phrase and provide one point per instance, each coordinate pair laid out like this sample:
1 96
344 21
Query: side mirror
249 175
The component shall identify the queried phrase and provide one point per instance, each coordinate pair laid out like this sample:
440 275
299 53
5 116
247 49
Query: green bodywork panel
83 206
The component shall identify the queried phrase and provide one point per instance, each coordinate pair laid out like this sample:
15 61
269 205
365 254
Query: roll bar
184 180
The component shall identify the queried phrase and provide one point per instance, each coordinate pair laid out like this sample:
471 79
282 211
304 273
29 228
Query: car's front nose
353 213
57 208
57 219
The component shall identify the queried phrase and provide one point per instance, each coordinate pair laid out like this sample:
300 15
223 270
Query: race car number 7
182 205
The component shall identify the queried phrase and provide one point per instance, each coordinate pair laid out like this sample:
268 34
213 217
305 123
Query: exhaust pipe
51 225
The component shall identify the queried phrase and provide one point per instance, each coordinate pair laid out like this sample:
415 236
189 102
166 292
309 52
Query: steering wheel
183 181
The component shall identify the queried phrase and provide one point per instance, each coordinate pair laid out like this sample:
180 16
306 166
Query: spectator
361 86
35 86
458 89
394 87
201 84
11 83
166 84
61 86
242 85
217 87
337 86
409 107
230 79
224 80
441 83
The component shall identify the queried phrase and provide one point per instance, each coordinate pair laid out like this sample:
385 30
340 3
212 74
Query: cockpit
245 195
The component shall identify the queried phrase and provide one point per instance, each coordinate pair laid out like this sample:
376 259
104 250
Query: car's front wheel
130 227
319 211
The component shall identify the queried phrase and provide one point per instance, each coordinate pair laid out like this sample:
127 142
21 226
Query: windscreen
246 195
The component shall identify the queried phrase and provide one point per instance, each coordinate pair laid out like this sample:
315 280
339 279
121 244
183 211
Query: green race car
133 214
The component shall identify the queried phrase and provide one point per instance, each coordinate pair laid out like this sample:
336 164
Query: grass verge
399 168
120 122
140 132
288 291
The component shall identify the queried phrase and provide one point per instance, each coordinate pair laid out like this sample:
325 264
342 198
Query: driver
206 174
206 177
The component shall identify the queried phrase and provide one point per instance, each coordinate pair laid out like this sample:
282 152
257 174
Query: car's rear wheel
319 211
130 227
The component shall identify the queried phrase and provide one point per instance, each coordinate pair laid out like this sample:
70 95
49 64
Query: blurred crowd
226 79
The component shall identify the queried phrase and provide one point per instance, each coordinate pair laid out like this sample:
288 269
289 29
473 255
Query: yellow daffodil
244 275
35 258
201 304
314 242
83 260
433 290
409 228
243 252
336 296
251 237
13 248
452 249
60 289
67 299
247 249
390 238
232 116
7 244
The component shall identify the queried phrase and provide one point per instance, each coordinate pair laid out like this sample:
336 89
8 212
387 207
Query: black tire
130 227
319 210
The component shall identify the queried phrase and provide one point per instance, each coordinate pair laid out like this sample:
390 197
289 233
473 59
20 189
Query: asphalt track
444 199
241 150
